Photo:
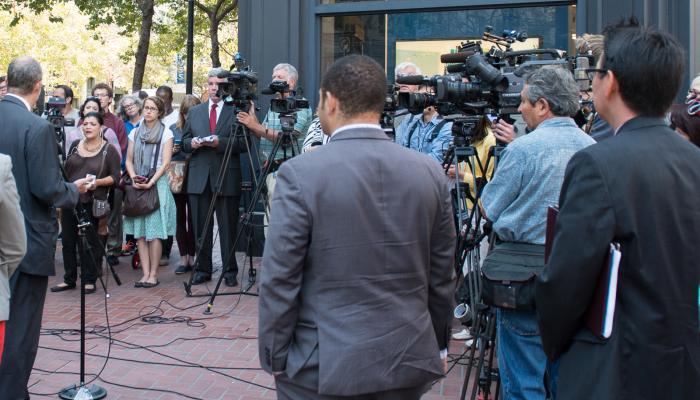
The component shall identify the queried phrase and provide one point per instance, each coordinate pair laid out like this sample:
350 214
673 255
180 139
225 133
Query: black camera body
240 86
53 113
285 105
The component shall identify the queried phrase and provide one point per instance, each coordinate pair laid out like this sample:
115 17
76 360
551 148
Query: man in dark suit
357 275
30 142
213 120
639 188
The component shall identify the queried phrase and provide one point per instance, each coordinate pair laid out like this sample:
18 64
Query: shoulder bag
139 202
509 272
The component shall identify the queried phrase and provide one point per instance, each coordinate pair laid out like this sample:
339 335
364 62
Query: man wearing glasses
639 189
104 92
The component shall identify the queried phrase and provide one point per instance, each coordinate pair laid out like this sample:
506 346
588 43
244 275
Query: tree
217 13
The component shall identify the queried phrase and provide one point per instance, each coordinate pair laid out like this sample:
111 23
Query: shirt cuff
443 354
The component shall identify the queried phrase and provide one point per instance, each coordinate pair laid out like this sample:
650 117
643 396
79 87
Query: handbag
139 202
101 208
177 173
509 272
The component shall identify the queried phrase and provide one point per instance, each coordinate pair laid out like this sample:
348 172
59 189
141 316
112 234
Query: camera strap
433 134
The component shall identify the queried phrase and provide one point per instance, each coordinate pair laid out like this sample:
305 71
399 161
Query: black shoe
200 278
183 269
230 280
60 288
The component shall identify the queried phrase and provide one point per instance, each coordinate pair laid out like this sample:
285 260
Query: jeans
522 364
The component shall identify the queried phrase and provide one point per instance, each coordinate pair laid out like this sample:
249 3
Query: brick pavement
156 361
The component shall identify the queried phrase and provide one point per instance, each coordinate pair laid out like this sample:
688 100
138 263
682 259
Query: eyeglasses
149 108
590 72
128 106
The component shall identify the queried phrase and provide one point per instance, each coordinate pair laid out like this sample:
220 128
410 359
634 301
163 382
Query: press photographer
527 180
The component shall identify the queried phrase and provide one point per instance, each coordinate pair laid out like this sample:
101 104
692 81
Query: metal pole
190 46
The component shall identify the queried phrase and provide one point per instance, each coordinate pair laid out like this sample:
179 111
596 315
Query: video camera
285 105
481 83
53 113
240 86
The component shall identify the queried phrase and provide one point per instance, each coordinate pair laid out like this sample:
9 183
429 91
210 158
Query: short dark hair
165 89
105 86
690 124
3 78
23 73
143 95
359 84
96 115
66 90
94 100
648 65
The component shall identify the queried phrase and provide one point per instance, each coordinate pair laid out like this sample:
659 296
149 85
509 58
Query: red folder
601 311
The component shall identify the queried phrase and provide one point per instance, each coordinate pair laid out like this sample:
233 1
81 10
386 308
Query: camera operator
527 180
207 132
638 189
30 142
66 93
404 69
428 133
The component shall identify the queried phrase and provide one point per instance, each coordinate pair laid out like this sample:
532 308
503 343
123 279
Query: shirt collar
26 104
356 126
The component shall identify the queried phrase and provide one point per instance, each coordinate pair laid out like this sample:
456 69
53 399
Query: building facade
311 34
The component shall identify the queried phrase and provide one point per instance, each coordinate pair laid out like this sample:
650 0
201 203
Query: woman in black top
91 155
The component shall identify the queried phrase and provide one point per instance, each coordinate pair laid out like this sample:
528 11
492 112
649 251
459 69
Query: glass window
421 37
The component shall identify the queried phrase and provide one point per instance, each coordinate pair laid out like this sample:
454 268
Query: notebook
601 311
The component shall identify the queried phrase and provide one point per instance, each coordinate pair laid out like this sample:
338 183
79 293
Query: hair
590 44
340 81
66 90
557 86
121 111
291 71
648 66
104 86
187 102
405 65
3 78
690 124
23 73
98 116
159 104
142 94
94 100
165 89
217 72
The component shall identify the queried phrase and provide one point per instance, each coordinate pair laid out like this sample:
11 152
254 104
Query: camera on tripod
285 105
240 86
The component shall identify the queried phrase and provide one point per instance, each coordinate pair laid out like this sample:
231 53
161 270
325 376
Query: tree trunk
144 42
214 34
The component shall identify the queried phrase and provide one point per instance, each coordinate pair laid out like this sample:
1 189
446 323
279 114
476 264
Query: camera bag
509 271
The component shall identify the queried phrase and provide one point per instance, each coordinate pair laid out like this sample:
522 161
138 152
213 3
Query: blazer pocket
303 351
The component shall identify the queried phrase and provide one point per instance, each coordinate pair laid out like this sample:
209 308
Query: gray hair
291 71
134 98
556 85
217 72
23 73
404 65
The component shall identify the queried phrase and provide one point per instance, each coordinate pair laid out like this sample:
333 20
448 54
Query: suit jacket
641 189
357 278
206 161
30 142
13 239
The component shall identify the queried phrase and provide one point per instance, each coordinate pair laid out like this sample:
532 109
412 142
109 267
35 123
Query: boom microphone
452 58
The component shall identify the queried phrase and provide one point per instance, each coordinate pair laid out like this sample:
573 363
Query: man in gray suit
29 141
213 120
357 275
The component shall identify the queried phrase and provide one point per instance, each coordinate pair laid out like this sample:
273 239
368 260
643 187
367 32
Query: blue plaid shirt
272 121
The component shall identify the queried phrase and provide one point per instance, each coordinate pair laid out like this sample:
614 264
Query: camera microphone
267 91
410 80
453 58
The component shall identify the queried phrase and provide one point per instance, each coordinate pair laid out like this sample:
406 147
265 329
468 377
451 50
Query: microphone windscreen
455 57
267 91
410 80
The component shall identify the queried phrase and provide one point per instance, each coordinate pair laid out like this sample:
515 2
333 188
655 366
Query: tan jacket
13 239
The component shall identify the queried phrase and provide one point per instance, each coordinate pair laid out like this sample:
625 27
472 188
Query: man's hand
250 120
196 143
214 143
504 131
82 184
451 172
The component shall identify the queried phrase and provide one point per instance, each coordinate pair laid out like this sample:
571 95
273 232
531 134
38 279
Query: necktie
212 119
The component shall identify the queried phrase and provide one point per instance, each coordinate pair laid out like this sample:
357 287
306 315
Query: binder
600 314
